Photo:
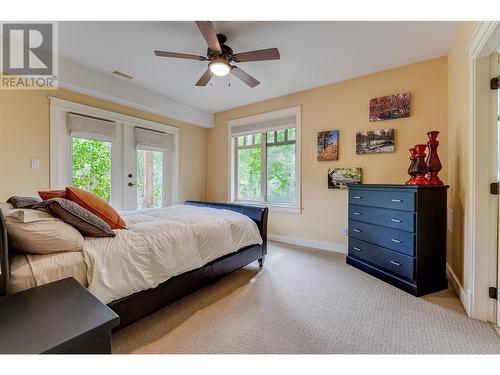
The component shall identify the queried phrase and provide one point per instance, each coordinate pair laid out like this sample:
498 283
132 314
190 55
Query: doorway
129 162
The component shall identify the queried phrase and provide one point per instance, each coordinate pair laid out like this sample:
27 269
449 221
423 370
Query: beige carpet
308 301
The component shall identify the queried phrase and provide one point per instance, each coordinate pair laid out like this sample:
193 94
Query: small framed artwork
390 107
328 145
338 178
375 142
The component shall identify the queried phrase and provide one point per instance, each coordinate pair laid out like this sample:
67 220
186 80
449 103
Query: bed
137 298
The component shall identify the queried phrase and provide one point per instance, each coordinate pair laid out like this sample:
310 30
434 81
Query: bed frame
141 304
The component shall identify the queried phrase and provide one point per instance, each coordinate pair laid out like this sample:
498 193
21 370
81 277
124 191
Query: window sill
272 207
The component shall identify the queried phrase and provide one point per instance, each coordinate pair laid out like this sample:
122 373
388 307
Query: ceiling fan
220 56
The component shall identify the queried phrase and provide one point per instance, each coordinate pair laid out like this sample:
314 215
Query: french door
94 164
147 168
128 162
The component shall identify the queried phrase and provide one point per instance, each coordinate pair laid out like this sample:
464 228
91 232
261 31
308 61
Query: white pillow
4 206
38 232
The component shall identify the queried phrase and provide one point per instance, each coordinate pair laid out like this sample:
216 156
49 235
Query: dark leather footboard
139 305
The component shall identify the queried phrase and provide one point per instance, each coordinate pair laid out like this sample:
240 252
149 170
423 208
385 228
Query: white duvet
162 243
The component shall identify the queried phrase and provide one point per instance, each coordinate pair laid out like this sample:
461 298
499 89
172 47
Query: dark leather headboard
4 257
256 213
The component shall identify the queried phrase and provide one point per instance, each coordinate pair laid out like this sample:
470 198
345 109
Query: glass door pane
149 181
91 166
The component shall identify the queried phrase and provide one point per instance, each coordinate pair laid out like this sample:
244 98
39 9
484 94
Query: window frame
233 162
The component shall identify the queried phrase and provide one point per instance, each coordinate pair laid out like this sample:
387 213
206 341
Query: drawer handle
396 241
356 230
357 248
357 213
397 200
356 197
395 263
396 221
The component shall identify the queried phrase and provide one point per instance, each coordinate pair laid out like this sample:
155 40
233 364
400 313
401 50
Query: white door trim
494 121
58 111
480 223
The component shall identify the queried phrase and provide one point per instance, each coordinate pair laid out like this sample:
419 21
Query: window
265 159
91 166
249 167
281 180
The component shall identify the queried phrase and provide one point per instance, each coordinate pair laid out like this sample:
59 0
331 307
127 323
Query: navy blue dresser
398 234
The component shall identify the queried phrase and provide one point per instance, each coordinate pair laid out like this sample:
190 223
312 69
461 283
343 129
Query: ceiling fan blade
205 78
180 55
208 31
259 55
244 76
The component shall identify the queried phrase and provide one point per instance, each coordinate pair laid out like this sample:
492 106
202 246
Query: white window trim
263 117
59 109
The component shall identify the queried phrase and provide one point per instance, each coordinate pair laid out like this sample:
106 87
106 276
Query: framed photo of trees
328 145
375 141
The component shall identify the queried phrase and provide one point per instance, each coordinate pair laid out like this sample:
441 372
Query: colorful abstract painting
338 178
328 145
374 142
390 107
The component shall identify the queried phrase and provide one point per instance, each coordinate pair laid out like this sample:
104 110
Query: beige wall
24 134
343 106
458 144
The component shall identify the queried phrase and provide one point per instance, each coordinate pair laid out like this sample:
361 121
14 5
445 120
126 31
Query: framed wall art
390 107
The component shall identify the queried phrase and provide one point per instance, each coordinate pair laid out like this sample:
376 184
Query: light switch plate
449 220
35 163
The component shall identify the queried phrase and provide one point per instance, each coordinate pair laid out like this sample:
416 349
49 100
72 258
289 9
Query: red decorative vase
433 162
413 153
420 167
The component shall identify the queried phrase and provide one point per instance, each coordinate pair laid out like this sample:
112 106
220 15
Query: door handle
356 197
356 230
396 221
130 184
394 240
356 213
397 200
395 263
357 248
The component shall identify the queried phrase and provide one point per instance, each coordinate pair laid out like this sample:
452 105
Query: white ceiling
312 54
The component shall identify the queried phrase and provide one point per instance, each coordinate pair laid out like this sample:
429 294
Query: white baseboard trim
322 245
465 296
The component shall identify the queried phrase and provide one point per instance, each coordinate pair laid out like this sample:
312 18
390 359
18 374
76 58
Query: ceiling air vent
121 74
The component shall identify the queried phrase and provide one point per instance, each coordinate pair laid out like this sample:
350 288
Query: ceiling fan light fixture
219 67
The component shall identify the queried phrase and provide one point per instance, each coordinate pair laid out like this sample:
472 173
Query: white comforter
160 244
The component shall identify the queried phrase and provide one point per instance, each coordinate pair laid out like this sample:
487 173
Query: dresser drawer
402 220
398 200
397 240
392 261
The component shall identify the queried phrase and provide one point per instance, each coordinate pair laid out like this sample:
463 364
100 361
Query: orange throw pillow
97 206
52 194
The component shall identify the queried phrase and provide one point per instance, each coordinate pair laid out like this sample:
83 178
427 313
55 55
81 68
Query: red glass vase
413 153
433 162
420 167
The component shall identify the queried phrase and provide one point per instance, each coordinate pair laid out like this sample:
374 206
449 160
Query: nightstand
60 317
